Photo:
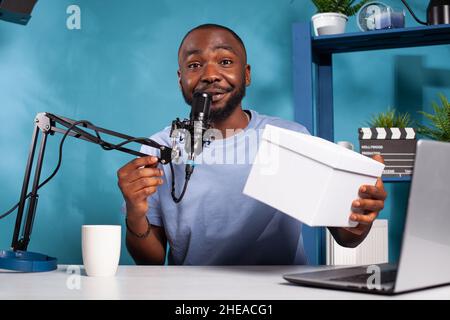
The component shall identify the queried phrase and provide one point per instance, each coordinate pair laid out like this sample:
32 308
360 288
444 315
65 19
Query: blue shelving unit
313 102
401 179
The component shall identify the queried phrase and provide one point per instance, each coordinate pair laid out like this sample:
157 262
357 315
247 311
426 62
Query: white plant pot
329 23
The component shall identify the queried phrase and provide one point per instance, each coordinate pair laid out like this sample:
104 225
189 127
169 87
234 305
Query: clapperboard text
396 145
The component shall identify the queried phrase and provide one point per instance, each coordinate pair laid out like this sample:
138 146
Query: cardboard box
309 178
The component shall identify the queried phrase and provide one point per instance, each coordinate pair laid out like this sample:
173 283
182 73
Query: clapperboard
396 145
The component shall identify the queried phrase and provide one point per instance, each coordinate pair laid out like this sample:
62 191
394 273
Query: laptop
425 250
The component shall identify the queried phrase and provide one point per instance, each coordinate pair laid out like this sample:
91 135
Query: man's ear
179 78
248 77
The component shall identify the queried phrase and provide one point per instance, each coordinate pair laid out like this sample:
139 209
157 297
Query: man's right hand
139 179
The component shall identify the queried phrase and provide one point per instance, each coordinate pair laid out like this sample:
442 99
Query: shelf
382 39
313 85
392 179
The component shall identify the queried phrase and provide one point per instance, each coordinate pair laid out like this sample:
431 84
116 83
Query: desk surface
180 282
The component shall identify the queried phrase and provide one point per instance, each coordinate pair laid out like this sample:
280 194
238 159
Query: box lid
323 151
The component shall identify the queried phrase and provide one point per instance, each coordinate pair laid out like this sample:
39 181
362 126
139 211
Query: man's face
212 60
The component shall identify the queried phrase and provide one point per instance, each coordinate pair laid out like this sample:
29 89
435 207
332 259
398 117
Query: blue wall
119 71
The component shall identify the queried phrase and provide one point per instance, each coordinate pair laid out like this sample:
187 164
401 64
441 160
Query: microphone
194 131
198 125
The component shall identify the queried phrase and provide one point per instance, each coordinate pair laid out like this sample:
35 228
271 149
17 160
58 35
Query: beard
221 114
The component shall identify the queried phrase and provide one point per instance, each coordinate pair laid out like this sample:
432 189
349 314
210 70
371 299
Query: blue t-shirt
215 223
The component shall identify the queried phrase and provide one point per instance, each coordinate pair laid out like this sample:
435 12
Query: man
215 223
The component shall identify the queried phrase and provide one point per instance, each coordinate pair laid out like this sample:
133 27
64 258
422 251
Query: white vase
329 23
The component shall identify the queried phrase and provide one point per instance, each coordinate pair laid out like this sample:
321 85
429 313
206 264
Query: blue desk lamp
16 11
18 258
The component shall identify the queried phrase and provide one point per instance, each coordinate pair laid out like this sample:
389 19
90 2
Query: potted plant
390 134
332 15
440 120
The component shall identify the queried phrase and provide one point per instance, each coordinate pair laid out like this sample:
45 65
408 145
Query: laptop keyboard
387 276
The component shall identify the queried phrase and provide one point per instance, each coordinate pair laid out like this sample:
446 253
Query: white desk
180 282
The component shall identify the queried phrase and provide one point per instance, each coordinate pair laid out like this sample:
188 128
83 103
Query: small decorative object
440 120
390 134
377 16
332 15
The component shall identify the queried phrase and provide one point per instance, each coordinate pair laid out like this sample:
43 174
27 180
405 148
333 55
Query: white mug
346 144
101 249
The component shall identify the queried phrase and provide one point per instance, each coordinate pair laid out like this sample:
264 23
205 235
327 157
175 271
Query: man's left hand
366 209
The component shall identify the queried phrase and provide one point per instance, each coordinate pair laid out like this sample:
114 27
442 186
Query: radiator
374 249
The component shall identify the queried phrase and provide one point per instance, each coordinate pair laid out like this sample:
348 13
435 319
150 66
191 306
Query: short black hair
214 26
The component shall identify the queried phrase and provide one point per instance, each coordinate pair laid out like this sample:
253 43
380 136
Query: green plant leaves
390 119
440 121
346 7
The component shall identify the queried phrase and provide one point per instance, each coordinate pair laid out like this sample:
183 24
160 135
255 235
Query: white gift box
309 178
